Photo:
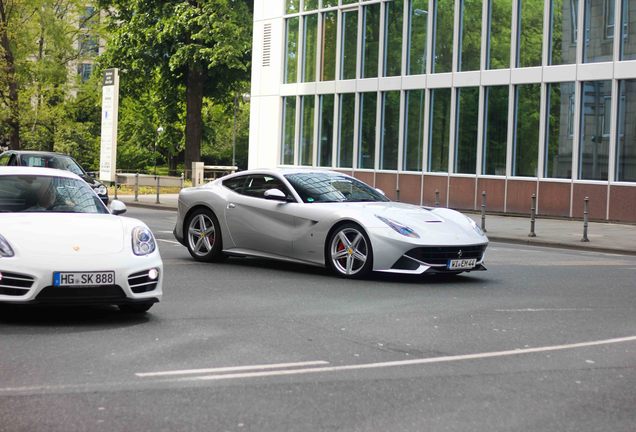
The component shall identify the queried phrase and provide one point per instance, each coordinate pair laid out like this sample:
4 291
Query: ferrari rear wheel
203 235
349 252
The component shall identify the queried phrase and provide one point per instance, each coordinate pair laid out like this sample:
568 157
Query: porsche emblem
76 248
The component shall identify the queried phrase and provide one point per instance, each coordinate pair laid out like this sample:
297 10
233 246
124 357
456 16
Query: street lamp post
159 131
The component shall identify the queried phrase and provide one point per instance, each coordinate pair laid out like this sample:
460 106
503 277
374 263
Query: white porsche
59 244
324 218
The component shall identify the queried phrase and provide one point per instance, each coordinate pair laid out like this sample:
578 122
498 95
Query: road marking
169 241
230 369
413 362
544 310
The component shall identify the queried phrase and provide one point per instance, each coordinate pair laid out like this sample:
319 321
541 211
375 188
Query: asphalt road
545 340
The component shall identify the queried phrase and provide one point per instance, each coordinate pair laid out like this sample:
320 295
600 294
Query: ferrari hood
63 234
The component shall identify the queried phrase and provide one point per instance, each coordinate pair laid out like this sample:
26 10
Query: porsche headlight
5 248
143 242
101 190
399 228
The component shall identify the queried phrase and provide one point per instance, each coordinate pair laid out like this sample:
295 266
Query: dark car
53 160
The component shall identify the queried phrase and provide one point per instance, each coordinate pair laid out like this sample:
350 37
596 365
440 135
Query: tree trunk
12 84
194 121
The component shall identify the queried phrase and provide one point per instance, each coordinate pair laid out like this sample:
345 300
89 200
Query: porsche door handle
231 205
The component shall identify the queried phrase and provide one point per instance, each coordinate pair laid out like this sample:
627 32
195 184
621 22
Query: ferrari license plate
462 264
83 278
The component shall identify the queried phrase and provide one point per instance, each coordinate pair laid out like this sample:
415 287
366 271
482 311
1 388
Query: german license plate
83 278
462 264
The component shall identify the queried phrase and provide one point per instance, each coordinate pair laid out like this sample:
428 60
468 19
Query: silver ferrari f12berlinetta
324 218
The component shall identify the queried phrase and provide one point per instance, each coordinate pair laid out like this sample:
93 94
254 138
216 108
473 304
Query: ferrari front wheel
203 235
349 252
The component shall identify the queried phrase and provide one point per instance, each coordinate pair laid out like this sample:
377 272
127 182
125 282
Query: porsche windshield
329 187
47 194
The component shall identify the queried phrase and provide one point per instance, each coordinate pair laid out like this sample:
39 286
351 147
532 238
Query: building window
439 135
530 33
325 133
306 145
349 44
599 31
346 119
495 130
292 6
526 139
443 25
470 35
413 130
417 26
329 3
393 19
309 5
559 130
88 45
596 109
289 130
628 41
84 70
563 24
370 40
328 55
626 143
466 134
499 32
291 50
366 130
310 39
89 18
389 137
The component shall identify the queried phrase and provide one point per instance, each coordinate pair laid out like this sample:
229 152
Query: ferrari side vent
15 284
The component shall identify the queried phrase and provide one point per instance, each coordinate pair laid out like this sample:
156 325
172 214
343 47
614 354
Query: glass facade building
452 98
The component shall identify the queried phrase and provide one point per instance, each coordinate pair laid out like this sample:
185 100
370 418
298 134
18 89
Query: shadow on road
78 318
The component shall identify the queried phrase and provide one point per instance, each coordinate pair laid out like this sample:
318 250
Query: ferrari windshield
332 187
43 194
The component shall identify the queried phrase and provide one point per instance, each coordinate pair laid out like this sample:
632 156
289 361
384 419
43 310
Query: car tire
203 236
135 307
348 252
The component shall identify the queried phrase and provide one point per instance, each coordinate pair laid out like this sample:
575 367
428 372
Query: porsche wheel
349 252
203 235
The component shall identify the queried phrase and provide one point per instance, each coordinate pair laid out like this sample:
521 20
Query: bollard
157 201
586 214
136 187
397 194
483 211
181 182
115 186
533 213
436 198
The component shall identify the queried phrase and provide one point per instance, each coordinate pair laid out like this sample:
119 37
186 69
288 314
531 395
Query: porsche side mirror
117 207
275 194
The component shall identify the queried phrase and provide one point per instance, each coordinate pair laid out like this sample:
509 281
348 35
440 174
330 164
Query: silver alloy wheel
201 235
349 251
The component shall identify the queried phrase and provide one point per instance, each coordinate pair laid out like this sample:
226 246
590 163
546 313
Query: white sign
110 108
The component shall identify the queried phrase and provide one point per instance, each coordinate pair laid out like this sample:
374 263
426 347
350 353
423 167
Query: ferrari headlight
101 190
143 242
476 227
5 248
399 228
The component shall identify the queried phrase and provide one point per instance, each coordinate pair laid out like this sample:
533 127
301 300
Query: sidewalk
604 237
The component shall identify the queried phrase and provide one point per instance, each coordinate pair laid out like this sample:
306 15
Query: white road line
409 362
230 369
545 310
169 241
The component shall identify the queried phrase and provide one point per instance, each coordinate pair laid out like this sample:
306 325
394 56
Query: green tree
200 48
